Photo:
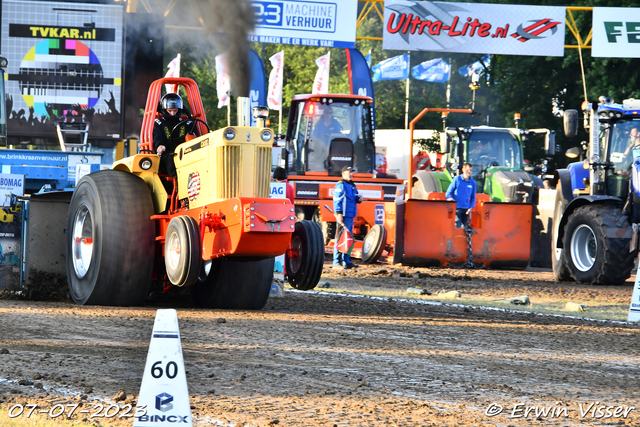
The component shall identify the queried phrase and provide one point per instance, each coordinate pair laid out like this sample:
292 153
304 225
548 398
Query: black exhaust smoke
227 24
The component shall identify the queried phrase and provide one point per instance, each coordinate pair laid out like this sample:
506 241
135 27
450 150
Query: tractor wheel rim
368 242
294 261
82 241
173 251
584 247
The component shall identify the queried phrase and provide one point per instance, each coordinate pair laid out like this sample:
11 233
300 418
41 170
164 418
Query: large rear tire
558 255
110 239
242 285
592 256
373 244
305 259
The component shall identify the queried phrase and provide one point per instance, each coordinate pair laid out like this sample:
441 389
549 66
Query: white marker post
634 307
164 394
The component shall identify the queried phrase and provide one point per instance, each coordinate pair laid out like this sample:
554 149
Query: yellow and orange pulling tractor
218 232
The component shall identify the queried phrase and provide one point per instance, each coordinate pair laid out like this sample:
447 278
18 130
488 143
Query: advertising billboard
474 28
616 32
306 22
65 64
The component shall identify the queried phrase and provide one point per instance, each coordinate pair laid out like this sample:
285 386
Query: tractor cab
327 132
624 147
497 159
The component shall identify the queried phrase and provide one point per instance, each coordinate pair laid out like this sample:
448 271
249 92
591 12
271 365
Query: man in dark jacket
165 138
345 206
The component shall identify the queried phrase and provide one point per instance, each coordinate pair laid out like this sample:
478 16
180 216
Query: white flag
223 82
274 95
174 71
321 83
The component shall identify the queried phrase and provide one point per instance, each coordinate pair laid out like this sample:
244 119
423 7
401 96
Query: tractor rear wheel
558 255
305 258
242 285
374 243
110 239
592 256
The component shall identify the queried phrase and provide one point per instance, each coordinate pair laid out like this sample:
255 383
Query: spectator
345 206
280 175
462 190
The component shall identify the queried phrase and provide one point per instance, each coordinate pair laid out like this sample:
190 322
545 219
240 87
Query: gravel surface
325 359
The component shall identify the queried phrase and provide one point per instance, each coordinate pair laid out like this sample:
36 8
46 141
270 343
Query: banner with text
616 32
474 28
306 23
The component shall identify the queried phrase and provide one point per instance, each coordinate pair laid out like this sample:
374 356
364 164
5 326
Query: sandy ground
321 359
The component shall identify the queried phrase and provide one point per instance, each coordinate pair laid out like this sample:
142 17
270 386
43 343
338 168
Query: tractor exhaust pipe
244 111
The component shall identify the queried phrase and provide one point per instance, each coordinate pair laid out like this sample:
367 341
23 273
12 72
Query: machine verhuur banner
319 23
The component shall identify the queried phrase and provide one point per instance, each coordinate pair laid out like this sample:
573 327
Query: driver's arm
158 138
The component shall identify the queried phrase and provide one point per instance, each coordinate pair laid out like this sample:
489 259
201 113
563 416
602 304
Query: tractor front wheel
593 257
182 256
305 257
110 239
373 244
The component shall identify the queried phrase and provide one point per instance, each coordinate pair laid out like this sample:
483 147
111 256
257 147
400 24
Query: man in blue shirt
462 190
345 207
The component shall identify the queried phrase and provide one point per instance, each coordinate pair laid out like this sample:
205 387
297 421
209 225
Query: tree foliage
537 87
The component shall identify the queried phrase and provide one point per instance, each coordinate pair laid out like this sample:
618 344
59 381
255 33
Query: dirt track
312 359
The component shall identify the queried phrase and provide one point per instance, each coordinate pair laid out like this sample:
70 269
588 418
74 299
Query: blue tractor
597 203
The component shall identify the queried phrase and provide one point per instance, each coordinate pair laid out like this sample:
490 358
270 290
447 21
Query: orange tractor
217 232
317 147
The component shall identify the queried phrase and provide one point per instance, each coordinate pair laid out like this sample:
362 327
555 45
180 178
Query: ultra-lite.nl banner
474 28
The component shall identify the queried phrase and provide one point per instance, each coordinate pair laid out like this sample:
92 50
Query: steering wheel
192 126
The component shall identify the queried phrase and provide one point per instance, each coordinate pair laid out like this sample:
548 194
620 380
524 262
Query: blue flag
475 68
435 70
360 77
396 68
258 83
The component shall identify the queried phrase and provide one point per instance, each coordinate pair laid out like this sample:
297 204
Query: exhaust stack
244 111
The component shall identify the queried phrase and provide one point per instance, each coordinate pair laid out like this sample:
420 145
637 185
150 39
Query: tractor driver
165 137
327 124
324 128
